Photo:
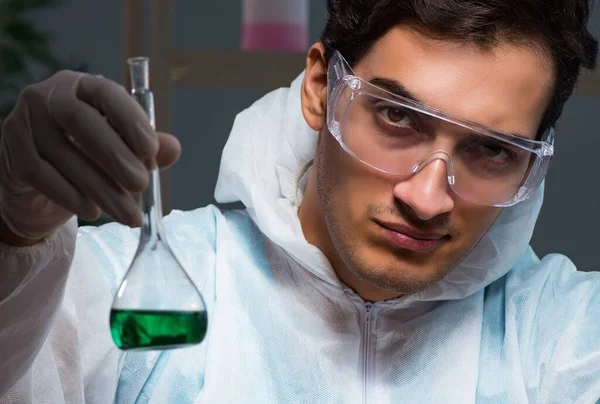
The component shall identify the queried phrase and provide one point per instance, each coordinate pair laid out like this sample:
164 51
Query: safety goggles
398 136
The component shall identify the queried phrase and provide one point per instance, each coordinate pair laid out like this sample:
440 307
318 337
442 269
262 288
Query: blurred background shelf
195 68
234 69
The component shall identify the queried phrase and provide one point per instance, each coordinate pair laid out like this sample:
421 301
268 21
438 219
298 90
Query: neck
152 227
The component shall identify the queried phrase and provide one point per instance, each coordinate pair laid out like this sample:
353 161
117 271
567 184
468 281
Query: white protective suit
504 327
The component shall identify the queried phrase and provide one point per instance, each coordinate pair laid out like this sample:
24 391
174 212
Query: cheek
474 220
347 184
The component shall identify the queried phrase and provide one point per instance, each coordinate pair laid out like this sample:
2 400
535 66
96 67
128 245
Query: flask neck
152 226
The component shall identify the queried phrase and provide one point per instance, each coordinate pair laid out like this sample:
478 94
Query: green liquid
152 329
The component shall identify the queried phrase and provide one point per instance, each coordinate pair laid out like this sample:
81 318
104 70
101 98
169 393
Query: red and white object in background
275 25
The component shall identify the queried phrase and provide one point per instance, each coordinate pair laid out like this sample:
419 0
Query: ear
314 88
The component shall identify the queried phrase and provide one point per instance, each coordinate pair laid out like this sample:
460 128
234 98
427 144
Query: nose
426 191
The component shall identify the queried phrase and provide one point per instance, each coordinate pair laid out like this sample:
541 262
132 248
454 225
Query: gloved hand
75 144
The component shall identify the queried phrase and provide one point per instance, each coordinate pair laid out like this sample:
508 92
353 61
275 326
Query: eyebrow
398 89
394 87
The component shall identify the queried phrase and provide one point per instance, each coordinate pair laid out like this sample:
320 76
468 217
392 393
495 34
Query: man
382 257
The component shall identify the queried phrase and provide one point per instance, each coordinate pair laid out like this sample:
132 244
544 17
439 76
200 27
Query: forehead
507 88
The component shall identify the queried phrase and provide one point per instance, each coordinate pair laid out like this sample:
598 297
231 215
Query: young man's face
507 88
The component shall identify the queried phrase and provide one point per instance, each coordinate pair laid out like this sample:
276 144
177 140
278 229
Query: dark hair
559 26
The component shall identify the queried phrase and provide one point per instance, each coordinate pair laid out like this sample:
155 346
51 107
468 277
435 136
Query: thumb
169 150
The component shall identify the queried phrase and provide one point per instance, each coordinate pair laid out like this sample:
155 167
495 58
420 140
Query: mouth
408 238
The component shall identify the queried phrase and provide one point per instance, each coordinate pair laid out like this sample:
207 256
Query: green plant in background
25 52
26 56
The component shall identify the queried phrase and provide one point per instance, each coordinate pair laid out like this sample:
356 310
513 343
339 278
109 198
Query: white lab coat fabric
503 327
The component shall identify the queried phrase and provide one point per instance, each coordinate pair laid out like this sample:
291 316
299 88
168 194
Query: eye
398 117
395 115
490 152
396 121
494 151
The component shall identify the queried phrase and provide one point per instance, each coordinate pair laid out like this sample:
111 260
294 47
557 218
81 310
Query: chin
405 285
401 275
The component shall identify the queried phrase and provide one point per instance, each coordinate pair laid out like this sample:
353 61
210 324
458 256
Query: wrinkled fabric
503 327
39 271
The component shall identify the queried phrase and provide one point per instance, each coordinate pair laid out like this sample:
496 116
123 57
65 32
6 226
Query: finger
28 167
169 150
97 138
92 182
122 111
47 180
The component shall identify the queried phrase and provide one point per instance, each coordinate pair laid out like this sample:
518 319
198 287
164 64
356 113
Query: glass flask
157 306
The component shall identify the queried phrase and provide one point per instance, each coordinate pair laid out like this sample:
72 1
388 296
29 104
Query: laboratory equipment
157 306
